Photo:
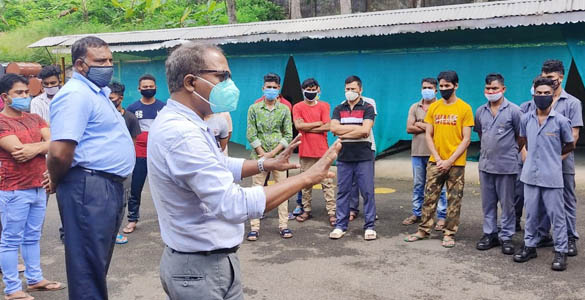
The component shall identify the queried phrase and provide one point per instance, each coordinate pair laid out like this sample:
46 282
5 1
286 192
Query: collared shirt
83 113
418 147
569 107
544 144
40 106
268 127
280 99
199 205
499 146
355 149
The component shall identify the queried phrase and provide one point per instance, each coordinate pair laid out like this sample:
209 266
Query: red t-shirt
28 175
312 144
281 99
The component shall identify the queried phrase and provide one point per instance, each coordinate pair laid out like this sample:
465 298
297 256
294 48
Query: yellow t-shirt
448 121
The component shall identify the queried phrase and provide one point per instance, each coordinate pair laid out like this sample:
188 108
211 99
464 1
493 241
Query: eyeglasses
224 75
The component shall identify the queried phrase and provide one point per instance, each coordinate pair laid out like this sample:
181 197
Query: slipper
304 216
415 238
129 229
252 236
286 233
332 221
45 287
25 296
370 235
448 242
21 268
120 239
337 233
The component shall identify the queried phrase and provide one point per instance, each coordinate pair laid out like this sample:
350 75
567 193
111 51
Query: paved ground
311 266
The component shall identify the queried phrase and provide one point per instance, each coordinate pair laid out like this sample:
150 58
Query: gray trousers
539 200
570 204
498 188
197 276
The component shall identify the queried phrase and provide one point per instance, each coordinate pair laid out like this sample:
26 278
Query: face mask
557 84
51 91
310 95
21 104
224 96
271 94
100 75
446 94
117 103
148 93
428 94
351 95
494 97
543 102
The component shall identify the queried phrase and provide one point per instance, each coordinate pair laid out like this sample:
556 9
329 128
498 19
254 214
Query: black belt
216 251
106 175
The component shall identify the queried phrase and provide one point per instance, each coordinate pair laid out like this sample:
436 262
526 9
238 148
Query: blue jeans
363 173
23 213
419 174
138 179
354 201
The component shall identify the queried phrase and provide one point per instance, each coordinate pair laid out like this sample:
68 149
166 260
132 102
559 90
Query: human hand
444 165
281 162
48 184
24 153
320 170
268 155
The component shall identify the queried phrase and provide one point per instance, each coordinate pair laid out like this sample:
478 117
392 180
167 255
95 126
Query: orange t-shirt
448 121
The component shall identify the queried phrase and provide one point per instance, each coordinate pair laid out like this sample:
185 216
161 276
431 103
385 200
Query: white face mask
494 97
351 95
51 91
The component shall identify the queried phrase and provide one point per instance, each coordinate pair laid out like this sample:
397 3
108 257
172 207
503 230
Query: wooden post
63 69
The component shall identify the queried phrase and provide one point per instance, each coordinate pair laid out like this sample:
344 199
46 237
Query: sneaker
370 235
336 234
297 211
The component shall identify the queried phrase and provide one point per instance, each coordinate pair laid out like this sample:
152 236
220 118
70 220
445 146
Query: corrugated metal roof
438 18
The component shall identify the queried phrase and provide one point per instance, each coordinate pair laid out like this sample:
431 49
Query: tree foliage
22 22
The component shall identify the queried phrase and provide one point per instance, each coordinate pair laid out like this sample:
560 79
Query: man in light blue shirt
90 155
200 207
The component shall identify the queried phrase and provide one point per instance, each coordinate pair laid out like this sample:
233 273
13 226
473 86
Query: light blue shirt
82 112
199 205
544 144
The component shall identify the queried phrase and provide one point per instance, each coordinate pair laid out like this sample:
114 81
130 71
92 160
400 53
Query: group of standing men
526 161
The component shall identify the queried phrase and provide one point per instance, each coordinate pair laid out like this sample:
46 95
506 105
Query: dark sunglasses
223 75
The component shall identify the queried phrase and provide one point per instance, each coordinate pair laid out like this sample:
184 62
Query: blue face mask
271 94
428 94
100 75
224 96
21 104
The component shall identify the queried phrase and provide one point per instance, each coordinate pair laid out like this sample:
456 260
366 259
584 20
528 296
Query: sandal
332 221
21 296
304 216
352 216
286 233
448 242
45 286
120 239
129 229
252 236
411 220
416 237
440 225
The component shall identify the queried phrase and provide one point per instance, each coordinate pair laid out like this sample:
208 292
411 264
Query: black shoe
559 261
488 241
525 254
545 242
508 247
572 247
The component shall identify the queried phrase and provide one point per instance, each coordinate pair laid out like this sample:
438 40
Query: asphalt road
311 266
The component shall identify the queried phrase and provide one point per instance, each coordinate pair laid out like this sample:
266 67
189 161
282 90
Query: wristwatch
261 164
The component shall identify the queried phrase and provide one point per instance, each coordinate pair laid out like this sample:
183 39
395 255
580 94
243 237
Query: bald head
190 58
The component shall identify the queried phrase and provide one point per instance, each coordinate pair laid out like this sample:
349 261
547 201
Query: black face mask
446 94
543 102
117 103
148 93
310 95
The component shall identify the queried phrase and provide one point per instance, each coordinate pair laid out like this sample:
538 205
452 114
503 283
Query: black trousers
91 208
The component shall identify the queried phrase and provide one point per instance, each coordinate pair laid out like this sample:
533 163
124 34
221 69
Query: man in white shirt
51 81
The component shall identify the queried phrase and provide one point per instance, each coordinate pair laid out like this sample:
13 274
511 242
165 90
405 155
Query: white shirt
40 106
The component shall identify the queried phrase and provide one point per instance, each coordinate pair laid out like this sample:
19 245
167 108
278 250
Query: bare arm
26 152
446 164
567 148
323 128
338 129
412 128
302 126
223 143
362 131
429 133
280 163
60 159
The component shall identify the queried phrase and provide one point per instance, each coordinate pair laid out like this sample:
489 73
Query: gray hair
186 59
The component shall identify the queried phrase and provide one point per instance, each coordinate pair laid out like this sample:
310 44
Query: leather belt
207 253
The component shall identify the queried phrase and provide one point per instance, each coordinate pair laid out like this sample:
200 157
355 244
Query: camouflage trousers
455 181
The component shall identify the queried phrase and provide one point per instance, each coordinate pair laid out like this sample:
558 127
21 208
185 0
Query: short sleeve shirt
448 121
499 146
544 144
570 107
145 113
40 106
312 144
353 150
419 147
131 124
27 175
219 126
